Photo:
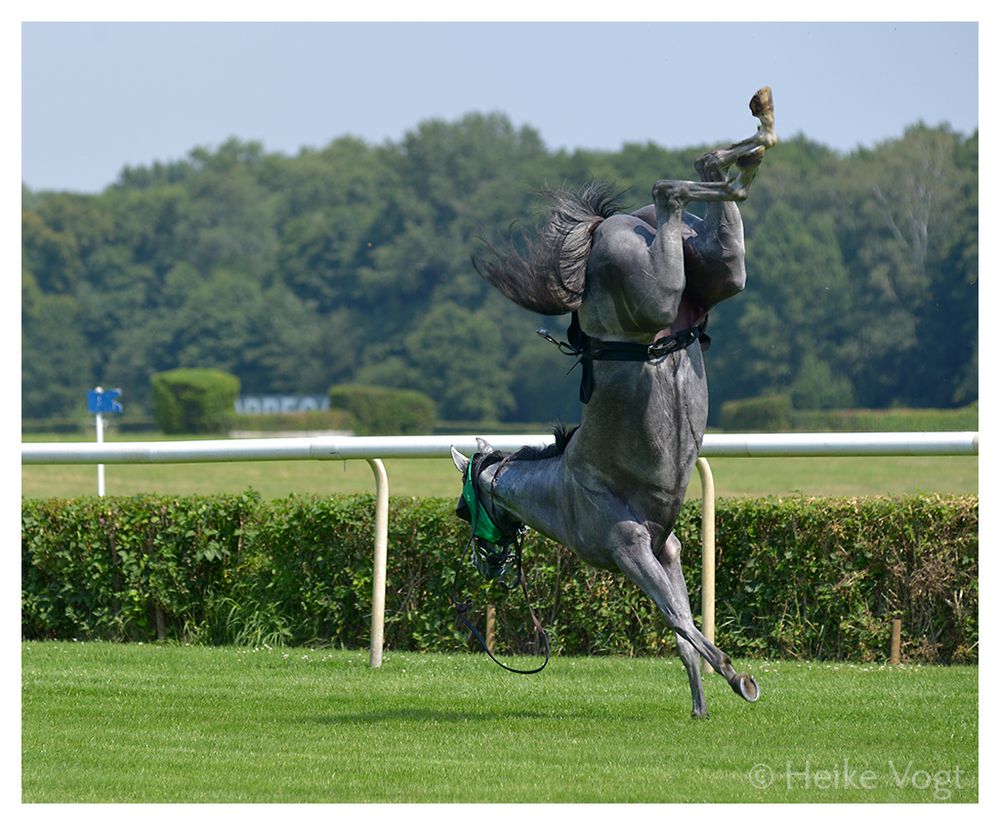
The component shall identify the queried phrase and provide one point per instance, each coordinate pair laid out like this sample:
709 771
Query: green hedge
774 413
768 413
892 420
384 411
803 578
194 400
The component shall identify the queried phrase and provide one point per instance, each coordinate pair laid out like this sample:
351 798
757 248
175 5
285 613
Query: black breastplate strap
587 349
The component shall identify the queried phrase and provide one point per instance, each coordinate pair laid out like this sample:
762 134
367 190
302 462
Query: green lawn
438 477
133 723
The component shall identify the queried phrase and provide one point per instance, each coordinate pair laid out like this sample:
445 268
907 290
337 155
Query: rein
496 554
587 349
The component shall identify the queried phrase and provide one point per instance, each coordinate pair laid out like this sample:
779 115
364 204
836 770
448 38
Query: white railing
438 446
375 448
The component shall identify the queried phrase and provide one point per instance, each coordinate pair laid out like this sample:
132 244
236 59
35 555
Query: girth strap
587 349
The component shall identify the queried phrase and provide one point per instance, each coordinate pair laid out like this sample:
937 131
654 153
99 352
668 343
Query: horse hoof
746 686
762 102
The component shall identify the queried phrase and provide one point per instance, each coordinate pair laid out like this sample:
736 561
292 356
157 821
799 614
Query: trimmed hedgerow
384 410
804 578
766 413
194 400
128 568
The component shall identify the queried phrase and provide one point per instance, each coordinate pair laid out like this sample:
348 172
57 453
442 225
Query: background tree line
351 263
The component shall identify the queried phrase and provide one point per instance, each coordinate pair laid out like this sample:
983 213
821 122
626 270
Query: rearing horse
612 491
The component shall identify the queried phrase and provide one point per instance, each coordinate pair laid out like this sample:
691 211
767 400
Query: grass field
438 477
134 723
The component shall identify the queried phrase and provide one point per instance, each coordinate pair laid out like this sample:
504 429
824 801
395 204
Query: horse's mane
562 433
549 277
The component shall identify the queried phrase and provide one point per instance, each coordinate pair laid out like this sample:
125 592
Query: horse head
484 465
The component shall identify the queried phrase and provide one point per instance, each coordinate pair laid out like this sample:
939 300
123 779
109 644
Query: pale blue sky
99 96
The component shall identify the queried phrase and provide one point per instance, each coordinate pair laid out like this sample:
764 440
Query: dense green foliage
194 400
351 263
170 723
768 413
774 413
808 578
897 419
384 411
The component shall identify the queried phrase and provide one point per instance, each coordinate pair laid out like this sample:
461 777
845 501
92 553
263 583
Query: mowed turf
438 477
151 723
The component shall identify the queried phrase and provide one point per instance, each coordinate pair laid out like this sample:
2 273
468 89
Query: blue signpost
101 402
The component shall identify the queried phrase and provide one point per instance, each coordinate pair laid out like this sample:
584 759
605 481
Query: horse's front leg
660 578
670 561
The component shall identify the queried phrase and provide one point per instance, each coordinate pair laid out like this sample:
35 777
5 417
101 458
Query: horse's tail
549 278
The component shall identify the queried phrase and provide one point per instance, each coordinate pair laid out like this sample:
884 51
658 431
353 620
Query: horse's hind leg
670 196
746 155
714 186
714 252
762 106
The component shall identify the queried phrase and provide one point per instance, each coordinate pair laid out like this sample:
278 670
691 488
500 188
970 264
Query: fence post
894 643
707 553
491 627
381 550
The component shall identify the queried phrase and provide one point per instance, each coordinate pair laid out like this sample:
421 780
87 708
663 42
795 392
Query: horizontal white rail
840 444
438 446
266 449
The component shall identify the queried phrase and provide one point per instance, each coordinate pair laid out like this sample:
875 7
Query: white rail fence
375 448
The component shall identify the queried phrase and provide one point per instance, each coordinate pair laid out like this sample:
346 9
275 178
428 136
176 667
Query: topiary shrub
768 413
384 411
194 400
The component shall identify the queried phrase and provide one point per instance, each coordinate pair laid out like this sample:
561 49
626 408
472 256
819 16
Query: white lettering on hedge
269 404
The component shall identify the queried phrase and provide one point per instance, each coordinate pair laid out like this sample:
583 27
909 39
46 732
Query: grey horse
636 283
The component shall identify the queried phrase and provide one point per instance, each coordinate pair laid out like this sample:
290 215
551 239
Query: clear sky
101 95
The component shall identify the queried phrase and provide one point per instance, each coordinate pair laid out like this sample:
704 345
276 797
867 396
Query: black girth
587 349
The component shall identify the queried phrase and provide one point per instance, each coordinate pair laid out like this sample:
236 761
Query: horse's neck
650 417
634 451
